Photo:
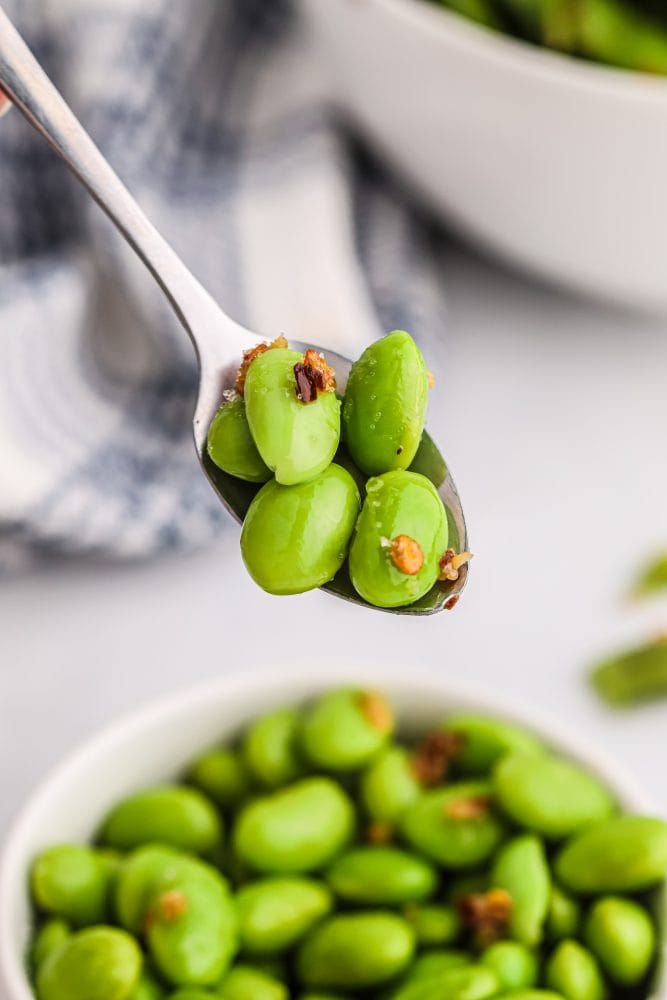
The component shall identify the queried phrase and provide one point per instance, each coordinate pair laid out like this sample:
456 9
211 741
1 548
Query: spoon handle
28 86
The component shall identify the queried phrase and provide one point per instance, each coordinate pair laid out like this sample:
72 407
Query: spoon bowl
219 341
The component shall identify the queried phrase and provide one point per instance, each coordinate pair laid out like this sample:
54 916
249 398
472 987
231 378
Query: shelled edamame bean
625 33
323 855
281 427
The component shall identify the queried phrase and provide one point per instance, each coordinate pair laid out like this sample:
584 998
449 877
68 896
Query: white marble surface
553 417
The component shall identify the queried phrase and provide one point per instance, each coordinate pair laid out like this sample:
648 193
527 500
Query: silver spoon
218 340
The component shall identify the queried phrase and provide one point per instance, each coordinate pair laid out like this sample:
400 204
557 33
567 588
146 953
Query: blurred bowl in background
555 164
157 742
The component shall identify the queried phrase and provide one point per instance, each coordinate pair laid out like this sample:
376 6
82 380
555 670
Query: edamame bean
193 993
72 882
485 741
275 913
385 404
548 795
295 538
50 936
296 829
355 951
231 446
454 825
515 965
170 814
622 936
221 775
147 988
574 972
400 537
533 995
98 963
381 876
622 854
469 982
434 963
135 879
246 983
345 729
270 748
389 785
563 916
434 925
296 439
191 923
521 869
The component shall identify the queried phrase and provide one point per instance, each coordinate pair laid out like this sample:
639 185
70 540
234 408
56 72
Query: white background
552 414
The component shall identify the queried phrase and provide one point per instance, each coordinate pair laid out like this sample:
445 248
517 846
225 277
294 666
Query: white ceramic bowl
155 743
557 164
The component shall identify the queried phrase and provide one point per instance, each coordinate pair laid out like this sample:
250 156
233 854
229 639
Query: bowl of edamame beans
555 161
334 833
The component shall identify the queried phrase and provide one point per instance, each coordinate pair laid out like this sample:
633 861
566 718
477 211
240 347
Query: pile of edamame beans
631 34
321 856
282 427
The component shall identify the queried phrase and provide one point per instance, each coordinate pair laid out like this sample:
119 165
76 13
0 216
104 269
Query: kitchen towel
218 117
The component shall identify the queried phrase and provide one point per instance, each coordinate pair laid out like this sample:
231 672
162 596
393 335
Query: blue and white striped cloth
216 115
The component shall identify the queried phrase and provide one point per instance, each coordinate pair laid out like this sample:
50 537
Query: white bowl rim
322 676
515 54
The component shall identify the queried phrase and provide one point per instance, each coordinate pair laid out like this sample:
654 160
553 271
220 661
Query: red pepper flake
406 554
487 914
452 602
313 375
377 711
250 355
473 807
451 563
169 907
432 758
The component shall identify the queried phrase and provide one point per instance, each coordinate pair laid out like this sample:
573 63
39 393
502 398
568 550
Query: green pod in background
574 972
345 729
563 915
270 749
384 410
621 854
231 447
454 825
381 876
434 924
97 963
50 936
356 950
295 538
275 913
400 537
297 440
515 965
72 881
173 815
148 988
485 741
458 982
389 785
296 829
191 923
548 795
622 936
221 774
245 982
522 870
